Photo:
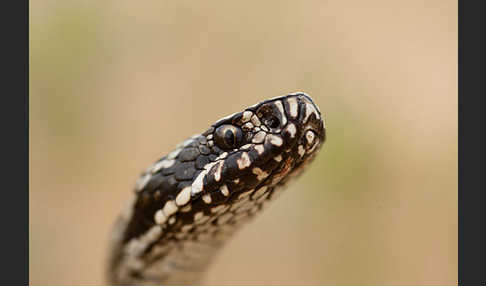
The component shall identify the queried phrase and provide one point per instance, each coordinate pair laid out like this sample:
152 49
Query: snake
187 204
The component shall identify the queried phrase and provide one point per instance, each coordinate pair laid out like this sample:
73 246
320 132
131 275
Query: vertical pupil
229 137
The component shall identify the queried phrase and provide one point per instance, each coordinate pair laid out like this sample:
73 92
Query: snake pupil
229 138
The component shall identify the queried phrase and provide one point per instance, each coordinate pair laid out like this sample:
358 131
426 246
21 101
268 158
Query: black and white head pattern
217 180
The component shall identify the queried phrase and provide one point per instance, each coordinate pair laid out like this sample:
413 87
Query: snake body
188 203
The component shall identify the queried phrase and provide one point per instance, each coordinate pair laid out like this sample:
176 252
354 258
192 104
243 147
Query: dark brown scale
185 171
139 223
202 140
202 161
204 150
171 169
188 154
169 184
236 187
230 168
250 181
155 182
216 150
188 217
210 184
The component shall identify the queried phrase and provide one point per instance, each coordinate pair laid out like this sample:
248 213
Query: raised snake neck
188 203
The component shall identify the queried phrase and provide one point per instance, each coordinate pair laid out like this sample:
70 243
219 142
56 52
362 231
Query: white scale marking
207 198
282 112
159 217
260 173
292 101
224 190
246 116
309 136
247 126
222 156
259 137
170 208
301 150
275 140
255 120
217 174
260 149
291 129
197 185
246 146
244 161
138 245
184 196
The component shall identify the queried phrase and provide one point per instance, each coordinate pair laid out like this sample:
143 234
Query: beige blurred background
114 85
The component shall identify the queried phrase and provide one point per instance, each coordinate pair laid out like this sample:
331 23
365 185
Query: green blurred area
116 85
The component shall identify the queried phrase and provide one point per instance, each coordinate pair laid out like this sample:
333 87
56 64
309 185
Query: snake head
211 183
264 144
252 151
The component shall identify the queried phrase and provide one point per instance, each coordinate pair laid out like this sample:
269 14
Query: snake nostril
273 122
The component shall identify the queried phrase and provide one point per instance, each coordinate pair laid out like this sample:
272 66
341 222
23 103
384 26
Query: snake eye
228 136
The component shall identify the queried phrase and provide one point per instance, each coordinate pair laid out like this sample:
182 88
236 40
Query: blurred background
114 85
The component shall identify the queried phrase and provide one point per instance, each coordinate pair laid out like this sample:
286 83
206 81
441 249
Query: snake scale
188 203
